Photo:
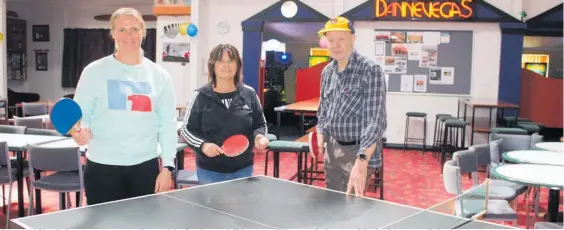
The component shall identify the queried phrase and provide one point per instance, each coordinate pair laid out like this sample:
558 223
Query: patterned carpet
410 178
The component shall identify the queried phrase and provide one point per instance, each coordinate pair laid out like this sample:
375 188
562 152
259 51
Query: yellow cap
337 24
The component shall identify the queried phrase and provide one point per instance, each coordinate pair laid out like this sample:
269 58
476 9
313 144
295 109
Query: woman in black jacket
222 108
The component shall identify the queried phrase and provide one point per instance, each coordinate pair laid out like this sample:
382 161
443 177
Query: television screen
540 68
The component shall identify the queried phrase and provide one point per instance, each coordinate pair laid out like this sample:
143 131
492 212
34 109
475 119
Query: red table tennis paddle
313 146
65 116
235 145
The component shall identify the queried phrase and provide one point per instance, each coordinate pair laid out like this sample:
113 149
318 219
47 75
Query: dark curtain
83 46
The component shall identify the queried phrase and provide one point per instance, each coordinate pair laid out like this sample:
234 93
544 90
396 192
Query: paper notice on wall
399 49
428 57
420 83
448 75
441 76
380 48
389 64
431 38
435 77
445 37
406 83
413 51
400 65
382 36
414 37
398 37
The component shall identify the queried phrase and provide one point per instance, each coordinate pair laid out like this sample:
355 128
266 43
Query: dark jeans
208 177
105 183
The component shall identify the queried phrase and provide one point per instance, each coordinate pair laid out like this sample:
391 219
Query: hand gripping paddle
65 115
235 145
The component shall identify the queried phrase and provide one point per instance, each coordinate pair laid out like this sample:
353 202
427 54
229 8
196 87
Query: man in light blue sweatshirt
129 109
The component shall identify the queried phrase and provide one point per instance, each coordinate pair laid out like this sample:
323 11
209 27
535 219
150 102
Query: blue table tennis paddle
65 116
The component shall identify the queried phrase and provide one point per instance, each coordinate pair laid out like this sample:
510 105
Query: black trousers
105 183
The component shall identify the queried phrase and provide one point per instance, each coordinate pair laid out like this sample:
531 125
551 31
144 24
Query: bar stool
439 138
506 130
409 115
453 128
510 121
530 127
436 131
277 147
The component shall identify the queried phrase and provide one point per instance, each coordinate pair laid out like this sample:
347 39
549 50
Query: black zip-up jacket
209 120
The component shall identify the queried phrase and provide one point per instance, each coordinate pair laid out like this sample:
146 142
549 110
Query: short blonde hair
127 11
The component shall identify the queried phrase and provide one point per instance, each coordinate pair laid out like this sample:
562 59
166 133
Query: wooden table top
45 102
489 103
310 105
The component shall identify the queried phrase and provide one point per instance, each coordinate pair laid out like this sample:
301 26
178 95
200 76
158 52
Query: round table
539 157
549 176
550 146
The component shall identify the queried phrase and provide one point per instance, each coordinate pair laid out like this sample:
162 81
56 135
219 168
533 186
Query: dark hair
216 54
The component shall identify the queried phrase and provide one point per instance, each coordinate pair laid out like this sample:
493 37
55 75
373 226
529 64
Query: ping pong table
254 202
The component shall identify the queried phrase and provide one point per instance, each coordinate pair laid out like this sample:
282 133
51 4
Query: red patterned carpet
410 178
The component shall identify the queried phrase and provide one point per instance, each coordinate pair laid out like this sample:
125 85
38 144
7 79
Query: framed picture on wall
40 33
41 60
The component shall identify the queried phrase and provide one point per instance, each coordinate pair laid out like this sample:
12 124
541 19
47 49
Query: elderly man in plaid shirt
352 112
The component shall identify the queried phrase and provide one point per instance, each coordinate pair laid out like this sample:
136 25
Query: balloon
192 30
323 42
183 29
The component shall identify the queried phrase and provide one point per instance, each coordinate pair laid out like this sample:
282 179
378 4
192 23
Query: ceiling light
289 9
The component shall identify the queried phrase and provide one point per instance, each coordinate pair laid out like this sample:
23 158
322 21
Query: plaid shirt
352 104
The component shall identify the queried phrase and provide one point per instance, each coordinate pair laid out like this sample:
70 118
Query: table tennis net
465 207
470 204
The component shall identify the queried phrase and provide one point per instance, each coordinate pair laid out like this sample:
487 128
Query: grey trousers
338 164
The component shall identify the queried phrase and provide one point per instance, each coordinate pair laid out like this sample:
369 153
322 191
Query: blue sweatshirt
130 110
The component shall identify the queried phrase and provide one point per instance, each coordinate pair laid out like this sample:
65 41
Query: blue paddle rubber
66 113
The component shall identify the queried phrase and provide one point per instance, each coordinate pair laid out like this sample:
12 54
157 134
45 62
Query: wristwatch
170 168
362 156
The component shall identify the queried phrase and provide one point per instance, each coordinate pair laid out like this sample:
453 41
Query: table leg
180 161
38 207
302 127
502 116
62 201
278 124
465 117
276 162
458 109
19 177
490 119
465 107
516 116
305 168
552 214
299 179
472 126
